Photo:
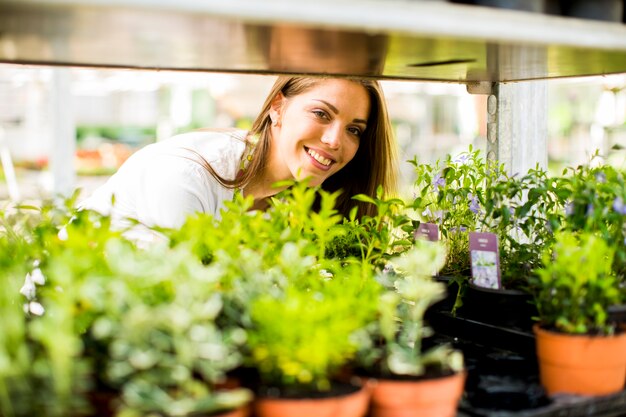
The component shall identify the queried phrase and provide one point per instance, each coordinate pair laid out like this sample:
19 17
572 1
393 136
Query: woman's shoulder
208 140
222 149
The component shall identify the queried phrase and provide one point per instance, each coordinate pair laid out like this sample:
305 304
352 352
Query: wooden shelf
418 40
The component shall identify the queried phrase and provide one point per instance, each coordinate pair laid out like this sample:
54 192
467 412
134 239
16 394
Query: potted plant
17 394
322 305
40 375
450 193
596 199
408 379
385 234
579 350
522 211
275 264
137 322
166 352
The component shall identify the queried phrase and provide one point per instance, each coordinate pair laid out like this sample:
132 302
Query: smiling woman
333 131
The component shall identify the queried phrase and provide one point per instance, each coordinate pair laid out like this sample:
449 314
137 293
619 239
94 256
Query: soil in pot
343 399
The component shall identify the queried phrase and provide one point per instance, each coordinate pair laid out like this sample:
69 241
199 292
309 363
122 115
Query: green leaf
364 198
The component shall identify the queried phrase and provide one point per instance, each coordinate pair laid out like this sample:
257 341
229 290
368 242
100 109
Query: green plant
15 356
373 239
523 211
36 375
290 218
596 202
400 327
165 350
145 318
275 264
102 314
575 285
321 306
451 194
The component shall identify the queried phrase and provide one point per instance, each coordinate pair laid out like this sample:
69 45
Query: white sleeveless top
163 183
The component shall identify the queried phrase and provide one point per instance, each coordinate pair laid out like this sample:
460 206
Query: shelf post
517 125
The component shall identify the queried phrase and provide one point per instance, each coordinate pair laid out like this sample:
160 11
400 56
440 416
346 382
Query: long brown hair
374 164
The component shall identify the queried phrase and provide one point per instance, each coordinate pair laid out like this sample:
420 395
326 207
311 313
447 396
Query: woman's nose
332 137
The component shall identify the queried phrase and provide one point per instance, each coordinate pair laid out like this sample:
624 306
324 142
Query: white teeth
319 158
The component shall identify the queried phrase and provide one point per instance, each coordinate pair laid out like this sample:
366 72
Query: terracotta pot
580 364
351 405
436 397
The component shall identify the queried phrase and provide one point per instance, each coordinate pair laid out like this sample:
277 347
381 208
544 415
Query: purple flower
589 209
601 177
461 159
438 181
569 209
474 205
619 206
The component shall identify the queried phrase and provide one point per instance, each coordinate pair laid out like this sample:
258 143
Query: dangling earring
274 122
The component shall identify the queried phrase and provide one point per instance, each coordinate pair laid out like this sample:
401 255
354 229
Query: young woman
334 131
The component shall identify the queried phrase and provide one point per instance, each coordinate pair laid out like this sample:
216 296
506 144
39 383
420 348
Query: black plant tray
503 375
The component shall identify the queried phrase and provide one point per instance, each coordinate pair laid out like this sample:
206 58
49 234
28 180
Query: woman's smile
319 158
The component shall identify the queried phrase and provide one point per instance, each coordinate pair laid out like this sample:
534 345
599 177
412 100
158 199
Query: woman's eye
321 114
355 131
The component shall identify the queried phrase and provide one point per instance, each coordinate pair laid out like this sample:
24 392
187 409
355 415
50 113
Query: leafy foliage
36 376
451 194
596 203
575 285
373 239
108 314
319 311
523 211
400 326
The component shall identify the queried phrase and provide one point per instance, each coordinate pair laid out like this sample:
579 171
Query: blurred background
115 112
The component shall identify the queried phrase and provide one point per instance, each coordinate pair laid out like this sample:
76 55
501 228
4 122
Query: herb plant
400 326
38 375
576 285
320 310
373 239
451 194
523 211
596 202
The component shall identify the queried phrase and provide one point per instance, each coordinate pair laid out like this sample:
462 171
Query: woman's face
317 132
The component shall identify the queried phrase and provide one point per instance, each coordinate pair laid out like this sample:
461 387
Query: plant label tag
428 231
485 260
